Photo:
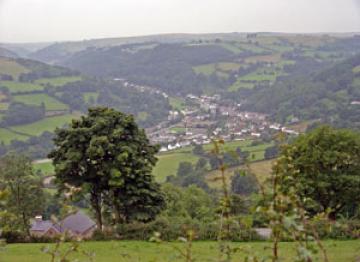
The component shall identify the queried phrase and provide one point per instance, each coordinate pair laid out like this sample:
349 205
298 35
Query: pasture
6 136
177 103
220 68
58 81
37 99
168 162
46 167
9 67
20 87
261 169
90 95
46 124
142 251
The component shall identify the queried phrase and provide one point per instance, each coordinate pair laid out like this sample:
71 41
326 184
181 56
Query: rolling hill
36 98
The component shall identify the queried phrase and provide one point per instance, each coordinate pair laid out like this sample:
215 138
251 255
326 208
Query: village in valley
203 118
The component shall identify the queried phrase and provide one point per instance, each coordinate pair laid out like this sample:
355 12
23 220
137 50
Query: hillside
7 53
332 95
235 64
59 52
35 98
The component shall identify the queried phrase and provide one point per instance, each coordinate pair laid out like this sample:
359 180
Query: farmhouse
77 225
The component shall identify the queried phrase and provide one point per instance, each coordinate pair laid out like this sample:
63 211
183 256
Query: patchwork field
19 87
47 124
168 162
6 136
142 251
58 81
90 95
261 169
37 99
10 67
209 69
177 103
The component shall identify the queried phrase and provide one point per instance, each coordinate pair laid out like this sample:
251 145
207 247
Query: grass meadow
168 162
6 136
46 124
9 67
58 81
20 87
142 251
36 99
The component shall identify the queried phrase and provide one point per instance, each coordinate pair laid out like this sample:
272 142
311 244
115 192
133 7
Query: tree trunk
95 198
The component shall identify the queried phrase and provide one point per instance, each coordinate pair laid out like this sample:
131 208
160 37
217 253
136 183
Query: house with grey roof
76 225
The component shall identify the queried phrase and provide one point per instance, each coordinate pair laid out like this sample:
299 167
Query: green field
4 106
19 87
36 99
356 69
46 168
261 169
12 68
169 162
47 124
239 84
58 81
177 103
220 68
88 95
142 251
6 136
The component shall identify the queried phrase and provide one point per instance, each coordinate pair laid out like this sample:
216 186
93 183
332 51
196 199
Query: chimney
38 218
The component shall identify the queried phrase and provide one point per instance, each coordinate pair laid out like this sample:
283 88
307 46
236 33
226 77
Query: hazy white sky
55 20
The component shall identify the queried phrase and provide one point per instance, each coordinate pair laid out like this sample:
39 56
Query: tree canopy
109 157
323 167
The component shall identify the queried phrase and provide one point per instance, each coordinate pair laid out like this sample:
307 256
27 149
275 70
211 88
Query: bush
341 229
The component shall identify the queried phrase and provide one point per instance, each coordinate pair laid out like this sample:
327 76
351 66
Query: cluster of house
76 225
199 123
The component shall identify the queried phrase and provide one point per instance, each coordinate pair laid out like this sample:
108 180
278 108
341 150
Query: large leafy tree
323 167
107 155
24 194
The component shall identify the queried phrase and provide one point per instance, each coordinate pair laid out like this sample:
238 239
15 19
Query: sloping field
261 169
47 124
6 136
58 81
36 99
12 68
19 87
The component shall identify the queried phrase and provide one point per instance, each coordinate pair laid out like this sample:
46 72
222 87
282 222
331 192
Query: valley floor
338 251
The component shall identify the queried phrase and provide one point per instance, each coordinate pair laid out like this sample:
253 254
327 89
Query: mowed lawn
20 87
115 251
36 99
46 124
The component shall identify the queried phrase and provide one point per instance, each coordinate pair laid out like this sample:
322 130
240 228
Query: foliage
244 183
25 197
20 113
321 165
107 155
